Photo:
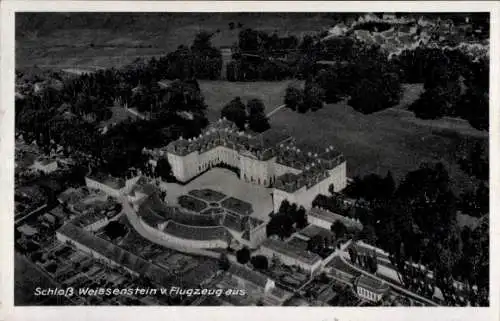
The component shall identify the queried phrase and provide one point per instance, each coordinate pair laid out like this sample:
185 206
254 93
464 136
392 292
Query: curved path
275 110
392 285
134 220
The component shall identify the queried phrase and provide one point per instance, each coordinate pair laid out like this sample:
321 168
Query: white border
7 312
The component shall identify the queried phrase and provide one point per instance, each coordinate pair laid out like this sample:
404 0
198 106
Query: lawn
208 195
192 203
237 206
119 115
218 93
392 139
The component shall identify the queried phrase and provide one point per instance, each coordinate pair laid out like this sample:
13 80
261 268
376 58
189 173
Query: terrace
197 233
191 203
237 206
155 211
208 195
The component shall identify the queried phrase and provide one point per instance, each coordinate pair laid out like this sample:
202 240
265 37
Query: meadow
111 40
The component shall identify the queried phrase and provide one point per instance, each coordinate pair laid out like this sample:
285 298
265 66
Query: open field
218 93
392 139
388 140
109 40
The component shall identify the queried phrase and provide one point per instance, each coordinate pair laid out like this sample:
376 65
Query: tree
260 262
316 244
163 169
389 185
331 189
235 111
243 255
257 120
353 254
248 40
339 229
224 263
258 123
294 97
301 218
284 207
255 106
115 229
313 96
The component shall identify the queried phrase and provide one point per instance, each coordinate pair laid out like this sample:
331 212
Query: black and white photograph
265 159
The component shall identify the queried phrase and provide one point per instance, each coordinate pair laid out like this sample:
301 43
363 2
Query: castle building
270 159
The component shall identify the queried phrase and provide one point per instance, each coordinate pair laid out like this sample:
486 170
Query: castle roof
225 133
313 162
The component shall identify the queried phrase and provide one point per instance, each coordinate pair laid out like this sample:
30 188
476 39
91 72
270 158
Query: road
134 220
35 211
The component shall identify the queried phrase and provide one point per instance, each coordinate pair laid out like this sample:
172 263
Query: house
339 269
49 218
45 165
371 289
112 186
250 279
141 191
325 219
27 230
291 255
58 213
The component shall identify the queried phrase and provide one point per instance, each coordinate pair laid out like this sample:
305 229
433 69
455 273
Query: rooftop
325 215
58 212
312 230
291 251
116 254
73 195
338 264
27 229
108 180
372 284
245 273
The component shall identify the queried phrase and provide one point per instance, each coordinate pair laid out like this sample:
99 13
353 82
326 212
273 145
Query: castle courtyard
226 182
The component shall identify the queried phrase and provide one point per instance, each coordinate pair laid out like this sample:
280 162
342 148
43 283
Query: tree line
416 222
455 84
342 68
61 117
